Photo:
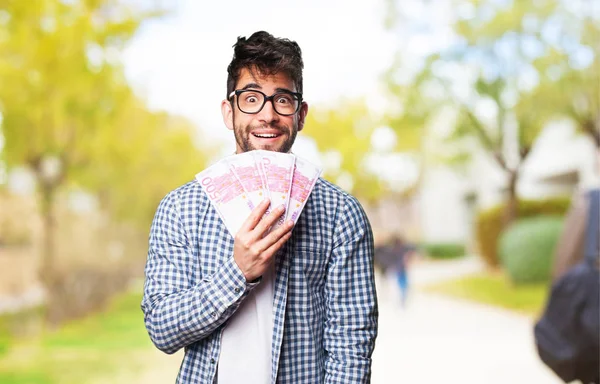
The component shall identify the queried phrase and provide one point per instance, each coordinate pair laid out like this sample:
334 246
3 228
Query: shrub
489 223
443 250
4 335
78 290
526 248
23 323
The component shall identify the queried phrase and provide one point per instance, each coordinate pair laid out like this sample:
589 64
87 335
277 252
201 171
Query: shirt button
237 290
212 361
214 314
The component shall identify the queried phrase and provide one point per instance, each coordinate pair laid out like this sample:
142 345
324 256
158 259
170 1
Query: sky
179 63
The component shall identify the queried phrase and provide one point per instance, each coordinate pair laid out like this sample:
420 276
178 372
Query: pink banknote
227 195
305 176
250 175
279 169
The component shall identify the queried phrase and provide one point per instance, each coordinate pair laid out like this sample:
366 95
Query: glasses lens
284 103
250 101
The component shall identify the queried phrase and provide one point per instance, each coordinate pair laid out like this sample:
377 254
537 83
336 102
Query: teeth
265 136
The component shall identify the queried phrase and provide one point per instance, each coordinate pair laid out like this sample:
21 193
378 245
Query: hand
253 248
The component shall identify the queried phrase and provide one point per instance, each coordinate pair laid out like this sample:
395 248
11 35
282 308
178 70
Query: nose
268 113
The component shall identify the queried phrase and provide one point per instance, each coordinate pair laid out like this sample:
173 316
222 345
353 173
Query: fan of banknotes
238 183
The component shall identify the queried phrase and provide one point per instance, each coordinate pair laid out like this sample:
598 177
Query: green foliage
152 153
512 43
489 223
20 324
81 351
495 289
345 130
55 99
412 106
64 97
526 248
504 73
107 330
443 250
5 337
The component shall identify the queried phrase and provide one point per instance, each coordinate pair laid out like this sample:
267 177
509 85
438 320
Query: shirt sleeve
176 311
352 313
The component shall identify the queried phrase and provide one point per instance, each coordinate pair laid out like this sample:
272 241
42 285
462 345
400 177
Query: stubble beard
242 138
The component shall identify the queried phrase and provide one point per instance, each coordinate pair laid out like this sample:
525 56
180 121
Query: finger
267 222
255 216
270 251
275 235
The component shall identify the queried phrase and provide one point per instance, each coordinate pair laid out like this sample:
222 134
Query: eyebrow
284 90
257 86
250 86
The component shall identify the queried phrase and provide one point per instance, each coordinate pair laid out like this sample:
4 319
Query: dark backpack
567 335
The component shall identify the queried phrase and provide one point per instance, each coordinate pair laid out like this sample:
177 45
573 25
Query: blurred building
560 162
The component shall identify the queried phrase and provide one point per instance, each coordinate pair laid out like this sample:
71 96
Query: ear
302 115
227 112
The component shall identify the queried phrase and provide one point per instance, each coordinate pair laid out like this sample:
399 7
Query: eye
251 98
284 99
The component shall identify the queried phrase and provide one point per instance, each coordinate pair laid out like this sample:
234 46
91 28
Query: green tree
343 136
510 67
61 88
411 112
150 154
569 70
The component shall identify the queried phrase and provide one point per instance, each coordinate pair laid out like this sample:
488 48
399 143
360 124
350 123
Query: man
294 305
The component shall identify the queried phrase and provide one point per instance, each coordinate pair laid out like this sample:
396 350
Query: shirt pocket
311 264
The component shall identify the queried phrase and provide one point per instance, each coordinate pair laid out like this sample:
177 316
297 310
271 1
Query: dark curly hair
269 55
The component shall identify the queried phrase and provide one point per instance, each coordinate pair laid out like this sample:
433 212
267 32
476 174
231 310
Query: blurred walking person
402 253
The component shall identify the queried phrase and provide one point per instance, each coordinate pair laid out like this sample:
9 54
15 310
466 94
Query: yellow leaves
409 131
151 154
63 93
343 134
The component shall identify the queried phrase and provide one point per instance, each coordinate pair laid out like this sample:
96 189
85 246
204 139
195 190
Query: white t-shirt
246 340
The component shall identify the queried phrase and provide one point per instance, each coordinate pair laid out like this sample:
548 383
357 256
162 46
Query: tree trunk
511 211
48 263
48 182
592 129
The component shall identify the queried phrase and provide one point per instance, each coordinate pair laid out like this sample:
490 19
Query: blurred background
466 128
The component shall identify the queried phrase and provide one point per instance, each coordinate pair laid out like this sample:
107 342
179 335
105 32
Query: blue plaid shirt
325 307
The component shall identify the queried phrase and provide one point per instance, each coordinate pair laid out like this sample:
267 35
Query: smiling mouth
265 135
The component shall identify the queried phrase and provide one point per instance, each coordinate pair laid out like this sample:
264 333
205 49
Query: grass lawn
81 351
495 289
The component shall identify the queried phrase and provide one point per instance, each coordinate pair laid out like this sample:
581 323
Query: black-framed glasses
251 101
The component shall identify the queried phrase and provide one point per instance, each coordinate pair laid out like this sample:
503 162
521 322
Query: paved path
439 340
435 339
